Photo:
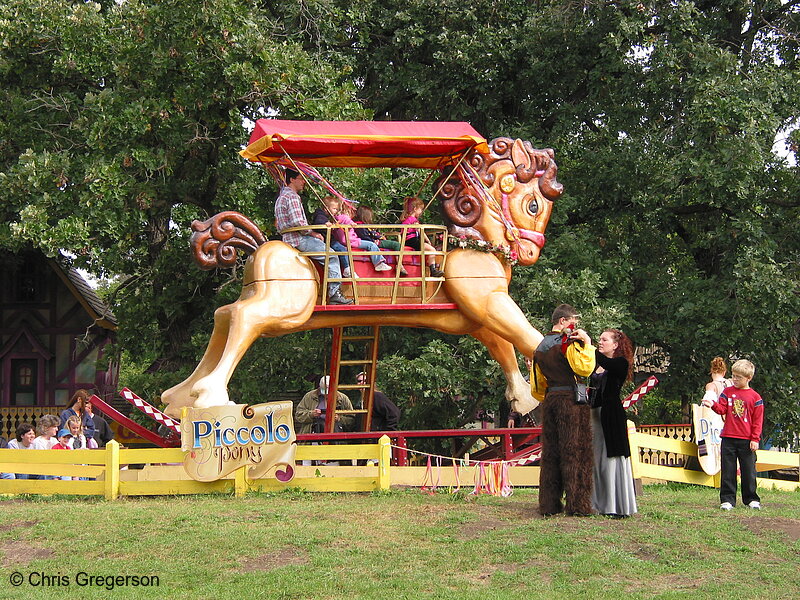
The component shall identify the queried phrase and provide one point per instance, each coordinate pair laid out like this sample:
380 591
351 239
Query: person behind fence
23 440
289 213
412 210
743 410
366 216
77 408
4 444
47 428
613 494
385 414
79 441
566 464
311 411
64 438
102 431
323 216
64 443
345 217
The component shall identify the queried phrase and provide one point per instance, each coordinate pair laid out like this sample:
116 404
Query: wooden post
384 461
240 481
112 470
635 455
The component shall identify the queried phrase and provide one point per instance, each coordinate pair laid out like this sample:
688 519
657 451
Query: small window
24 376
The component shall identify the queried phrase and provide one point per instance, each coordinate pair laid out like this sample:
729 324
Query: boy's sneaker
755 504
382 266
726 506
346 272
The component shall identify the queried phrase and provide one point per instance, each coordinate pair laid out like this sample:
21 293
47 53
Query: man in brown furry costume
566 464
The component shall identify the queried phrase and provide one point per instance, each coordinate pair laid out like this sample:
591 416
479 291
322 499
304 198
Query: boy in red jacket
743 410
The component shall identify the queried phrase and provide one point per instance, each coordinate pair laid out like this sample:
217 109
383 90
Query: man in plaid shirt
289 213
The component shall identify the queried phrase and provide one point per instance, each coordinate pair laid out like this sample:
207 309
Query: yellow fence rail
107 473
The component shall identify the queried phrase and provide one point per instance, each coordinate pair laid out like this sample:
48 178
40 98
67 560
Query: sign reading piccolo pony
220 439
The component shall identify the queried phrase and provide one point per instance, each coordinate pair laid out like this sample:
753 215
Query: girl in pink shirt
412 210
345 217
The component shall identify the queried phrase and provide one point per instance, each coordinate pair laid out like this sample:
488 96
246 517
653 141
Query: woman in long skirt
613 493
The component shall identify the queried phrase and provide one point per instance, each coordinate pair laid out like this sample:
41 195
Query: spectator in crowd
385 414
64 438
23 441
79 440
4 444
24 437
102 431
65 441
76 408
310 413
46 427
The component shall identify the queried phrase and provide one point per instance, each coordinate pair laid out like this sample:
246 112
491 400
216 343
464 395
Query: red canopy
420 144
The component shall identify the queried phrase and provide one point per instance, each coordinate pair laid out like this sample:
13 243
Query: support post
112 470
240 481
384 461
636 457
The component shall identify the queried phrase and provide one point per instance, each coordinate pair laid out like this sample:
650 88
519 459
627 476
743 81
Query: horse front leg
518 391
179 395
485 300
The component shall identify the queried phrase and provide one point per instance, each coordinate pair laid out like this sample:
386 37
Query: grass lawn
398 545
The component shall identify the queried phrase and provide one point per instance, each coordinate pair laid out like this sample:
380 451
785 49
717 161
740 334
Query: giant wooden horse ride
497 195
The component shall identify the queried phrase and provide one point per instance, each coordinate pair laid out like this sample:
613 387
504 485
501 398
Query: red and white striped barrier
648 385
151 410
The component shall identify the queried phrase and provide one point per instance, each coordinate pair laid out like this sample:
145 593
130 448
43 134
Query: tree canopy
122 121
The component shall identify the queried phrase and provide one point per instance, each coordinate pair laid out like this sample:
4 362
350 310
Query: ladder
368 365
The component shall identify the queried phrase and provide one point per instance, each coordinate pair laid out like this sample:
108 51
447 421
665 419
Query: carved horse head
514 208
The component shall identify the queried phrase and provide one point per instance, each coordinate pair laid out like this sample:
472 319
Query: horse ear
520 156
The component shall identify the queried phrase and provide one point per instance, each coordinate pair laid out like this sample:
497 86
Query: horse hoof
206 399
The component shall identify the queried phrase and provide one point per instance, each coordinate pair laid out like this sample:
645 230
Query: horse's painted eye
533 206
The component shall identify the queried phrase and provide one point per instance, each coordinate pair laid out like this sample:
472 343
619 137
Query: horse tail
214 242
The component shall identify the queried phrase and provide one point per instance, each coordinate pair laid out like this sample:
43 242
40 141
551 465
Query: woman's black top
606 395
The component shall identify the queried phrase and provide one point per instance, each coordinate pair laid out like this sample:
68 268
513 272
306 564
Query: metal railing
398 233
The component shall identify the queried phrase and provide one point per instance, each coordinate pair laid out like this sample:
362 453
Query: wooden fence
643 444
107 473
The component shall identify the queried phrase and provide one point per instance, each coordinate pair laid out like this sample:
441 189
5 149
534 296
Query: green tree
121 124
677 222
